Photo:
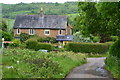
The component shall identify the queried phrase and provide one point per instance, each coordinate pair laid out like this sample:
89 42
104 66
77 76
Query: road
93 69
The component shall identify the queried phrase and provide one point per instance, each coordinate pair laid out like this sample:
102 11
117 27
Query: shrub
112 64
24 37
115 49
78 37
45 46
31 44
7 36
15 43
40 39
88 47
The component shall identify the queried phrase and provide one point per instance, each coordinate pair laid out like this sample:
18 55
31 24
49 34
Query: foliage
114 38
31 44
95 19
113 65
115 49
88 47
78 37
46 39
112 16
45 46
7 36
34 8
40 39
24 37
34 64
15 43
4 25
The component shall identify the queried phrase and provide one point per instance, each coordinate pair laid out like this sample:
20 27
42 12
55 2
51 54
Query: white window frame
19 31
61 32
31 32
47 30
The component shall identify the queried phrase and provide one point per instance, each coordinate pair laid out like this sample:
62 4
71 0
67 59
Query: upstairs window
31 32
18 31
47 32
60 32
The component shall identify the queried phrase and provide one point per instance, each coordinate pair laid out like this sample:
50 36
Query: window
60 32
47 32
31 32
18 31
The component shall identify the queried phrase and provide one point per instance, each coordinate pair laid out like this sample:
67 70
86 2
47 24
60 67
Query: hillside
11 10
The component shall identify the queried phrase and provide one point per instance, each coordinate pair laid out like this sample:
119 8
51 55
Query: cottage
42 25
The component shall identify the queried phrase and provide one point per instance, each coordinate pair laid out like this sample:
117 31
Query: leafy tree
93 22
7 36
111 11
4 25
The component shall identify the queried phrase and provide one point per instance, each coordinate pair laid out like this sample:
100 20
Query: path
93 69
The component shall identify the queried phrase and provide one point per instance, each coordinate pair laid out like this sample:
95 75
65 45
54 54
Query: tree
111 11
93 22
4 25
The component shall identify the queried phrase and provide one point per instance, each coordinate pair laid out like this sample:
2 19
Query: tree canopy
99 19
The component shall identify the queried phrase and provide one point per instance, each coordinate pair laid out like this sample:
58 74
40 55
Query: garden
23 58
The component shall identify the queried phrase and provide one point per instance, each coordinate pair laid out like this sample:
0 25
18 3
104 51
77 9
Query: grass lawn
24 63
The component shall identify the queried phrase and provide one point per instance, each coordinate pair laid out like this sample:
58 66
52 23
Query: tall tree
111 11
93 22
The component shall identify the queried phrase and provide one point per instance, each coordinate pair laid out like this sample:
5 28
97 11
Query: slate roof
46 22
64 38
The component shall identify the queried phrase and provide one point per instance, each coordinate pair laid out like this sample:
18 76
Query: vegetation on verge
113 59
24 63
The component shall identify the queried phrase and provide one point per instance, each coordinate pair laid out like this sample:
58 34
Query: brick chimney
41 12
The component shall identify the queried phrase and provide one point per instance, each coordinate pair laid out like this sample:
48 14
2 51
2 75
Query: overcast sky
30 1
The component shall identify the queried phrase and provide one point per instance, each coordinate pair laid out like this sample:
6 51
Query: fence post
2 45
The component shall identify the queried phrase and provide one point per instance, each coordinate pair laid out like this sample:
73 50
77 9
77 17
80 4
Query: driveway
93 69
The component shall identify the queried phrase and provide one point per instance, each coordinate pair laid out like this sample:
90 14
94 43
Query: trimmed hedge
88 47
31 44
45 46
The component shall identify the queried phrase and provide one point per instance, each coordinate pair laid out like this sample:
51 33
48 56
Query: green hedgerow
115 49
88 47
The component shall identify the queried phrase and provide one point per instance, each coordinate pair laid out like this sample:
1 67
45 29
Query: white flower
9 67
18 62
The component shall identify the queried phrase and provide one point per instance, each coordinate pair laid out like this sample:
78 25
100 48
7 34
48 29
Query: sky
30 1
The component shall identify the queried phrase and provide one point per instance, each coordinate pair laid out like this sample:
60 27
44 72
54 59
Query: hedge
45 46
31 44
88 47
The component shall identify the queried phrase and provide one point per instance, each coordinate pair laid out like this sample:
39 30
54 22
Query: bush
115 49
47 39
24 37
40 39
43 46
7 36
88 47
15 43
31 44
113 65
78 37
